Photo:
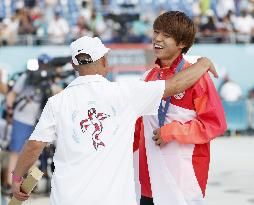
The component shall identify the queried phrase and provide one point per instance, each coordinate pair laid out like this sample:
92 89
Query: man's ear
104 61
73 65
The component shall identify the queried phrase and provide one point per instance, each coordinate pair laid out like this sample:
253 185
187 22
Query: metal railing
216 37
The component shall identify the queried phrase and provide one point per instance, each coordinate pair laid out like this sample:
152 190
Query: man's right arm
188 77
16 90
44 132
3 86
27 159
10 99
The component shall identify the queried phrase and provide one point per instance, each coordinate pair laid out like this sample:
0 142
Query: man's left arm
27 159
43 133
209 123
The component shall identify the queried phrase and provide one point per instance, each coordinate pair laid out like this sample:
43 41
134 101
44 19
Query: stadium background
225 35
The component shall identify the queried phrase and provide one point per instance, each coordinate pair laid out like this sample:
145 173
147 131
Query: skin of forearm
184 79
3 88
11 98
28 157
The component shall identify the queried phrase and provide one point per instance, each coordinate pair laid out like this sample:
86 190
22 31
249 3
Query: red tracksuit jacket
194 118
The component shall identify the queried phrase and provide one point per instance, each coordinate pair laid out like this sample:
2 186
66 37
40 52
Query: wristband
17 179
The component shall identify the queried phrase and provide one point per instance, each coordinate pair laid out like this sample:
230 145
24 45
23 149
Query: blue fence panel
236 115
251 113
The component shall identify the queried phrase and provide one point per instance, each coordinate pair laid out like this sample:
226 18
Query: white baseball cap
88 45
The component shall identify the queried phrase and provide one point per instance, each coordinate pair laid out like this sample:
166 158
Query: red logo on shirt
94 119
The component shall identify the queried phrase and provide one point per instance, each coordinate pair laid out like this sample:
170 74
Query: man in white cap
92 122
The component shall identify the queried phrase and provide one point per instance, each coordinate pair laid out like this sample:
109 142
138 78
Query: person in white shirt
230 90
58 29
92 123
244 26
223 7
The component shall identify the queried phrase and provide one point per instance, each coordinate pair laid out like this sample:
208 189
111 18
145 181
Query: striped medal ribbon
162 111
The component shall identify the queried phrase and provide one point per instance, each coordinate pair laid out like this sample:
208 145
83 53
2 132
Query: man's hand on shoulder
208 64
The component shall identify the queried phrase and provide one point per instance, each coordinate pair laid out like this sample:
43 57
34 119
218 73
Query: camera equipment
43 77
124 19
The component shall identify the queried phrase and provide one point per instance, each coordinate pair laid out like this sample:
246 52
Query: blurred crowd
37 22
23 98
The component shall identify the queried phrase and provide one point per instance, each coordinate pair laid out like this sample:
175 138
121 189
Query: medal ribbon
162 111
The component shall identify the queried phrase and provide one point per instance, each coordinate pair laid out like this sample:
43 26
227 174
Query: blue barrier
239 114
14 58
251 113
236 115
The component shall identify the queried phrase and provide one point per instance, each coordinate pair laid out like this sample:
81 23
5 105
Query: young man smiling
176 171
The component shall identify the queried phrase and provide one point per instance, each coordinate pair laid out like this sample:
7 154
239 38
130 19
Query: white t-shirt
26 111
224 6
244 24
58 29
92 122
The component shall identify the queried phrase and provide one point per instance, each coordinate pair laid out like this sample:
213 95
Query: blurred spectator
97 23
208 24
204 5
4 158
251 94
51 2
8 31
225 25
3 90
102 26
29 3
229 90
244 26
86 9
5 130
247 5
141 31
115 21
108 33
40 25
58 83
237 7
224 6
225 28
81 28
58 29
24 104
25 23
197 22
196 10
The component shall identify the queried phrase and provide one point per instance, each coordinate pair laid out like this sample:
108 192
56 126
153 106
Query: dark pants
146 201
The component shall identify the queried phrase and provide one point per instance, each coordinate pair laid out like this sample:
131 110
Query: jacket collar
87 79
173 66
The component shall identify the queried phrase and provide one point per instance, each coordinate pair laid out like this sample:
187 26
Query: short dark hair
179 26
